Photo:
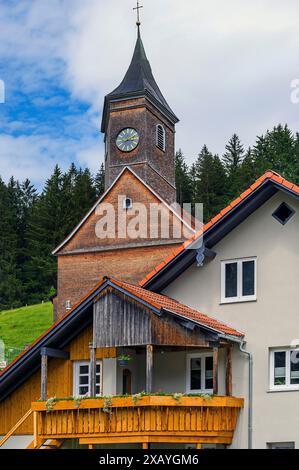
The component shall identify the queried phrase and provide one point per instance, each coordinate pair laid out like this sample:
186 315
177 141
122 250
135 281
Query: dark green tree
100 181
210 189
182 179
232 160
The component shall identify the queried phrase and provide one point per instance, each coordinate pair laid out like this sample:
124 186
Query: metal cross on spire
138 13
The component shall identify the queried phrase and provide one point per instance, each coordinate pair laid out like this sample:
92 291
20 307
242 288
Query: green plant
137 397
124 357
107 404
77 401
177 396
50 403
206 396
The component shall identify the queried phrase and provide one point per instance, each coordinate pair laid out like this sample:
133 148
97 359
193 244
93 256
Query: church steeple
139 128
139 81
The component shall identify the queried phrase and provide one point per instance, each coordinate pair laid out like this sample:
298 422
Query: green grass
23 325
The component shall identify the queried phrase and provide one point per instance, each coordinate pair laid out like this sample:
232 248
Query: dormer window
160 137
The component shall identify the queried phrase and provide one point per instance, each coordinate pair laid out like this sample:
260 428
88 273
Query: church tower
139 128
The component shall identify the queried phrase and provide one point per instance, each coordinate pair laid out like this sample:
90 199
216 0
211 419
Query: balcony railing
138 419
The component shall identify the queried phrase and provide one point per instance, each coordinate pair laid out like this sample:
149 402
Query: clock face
127 140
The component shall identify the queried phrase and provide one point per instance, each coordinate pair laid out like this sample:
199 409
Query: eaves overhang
137 94
215 233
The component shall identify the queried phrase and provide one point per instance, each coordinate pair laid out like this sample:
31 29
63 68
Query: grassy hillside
22 326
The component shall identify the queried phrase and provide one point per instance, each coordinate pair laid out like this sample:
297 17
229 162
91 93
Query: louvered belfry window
160 137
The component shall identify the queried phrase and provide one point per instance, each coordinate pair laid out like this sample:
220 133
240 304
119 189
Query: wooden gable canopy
121 321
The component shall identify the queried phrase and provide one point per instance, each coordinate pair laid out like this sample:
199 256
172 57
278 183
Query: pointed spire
139 80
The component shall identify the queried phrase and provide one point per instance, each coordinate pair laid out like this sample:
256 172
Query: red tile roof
155 300
163 302
268 176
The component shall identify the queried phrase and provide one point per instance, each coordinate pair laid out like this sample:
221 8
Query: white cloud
223 67
35 156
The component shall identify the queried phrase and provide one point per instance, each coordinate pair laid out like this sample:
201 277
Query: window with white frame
160 137
284 369
238 280
200 373
82 378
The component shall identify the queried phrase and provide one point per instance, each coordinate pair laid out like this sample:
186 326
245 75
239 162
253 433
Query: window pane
98 390
209 373
83 390
83 379
98 369
294 367
280 368
231 280
248 278
195 381
83 369
196 363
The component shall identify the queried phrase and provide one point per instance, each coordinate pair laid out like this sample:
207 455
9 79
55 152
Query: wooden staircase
36 443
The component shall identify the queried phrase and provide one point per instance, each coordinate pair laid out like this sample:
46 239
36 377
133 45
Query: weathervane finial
138 14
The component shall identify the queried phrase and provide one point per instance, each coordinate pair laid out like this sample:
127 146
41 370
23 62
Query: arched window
160 137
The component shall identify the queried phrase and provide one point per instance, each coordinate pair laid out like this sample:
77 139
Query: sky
223 66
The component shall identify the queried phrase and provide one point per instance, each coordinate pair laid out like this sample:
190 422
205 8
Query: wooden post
215 370
229 391
35 429
92 371
199 445
149 367
44 376
145 445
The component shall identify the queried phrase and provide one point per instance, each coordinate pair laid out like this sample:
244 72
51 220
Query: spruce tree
100 181
46 229
232 160
210 184
182 179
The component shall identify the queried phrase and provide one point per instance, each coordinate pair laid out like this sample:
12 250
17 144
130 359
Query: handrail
13 430
143 401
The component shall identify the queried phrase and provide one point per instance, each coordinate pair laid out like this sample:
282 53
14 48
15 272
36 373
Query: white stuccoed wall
271 321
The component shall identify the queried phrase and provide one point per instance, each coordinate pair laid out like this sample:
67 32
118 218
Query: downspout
250 392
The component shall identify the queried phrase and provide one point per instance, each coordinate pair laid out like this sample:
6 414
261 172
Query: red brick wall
79 272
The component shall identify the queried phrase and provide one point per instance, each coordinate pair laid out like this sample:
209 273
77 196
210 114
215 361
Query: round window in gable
283 213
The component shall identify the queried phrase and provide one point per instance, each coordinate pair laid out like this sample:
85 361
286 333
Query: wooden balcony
143 420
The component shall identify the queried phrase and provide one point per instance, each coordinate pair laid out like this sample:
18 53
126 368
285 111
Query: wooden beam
215 370
92 370
228 381
179 439
58 353
149 367
13 430
44 377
